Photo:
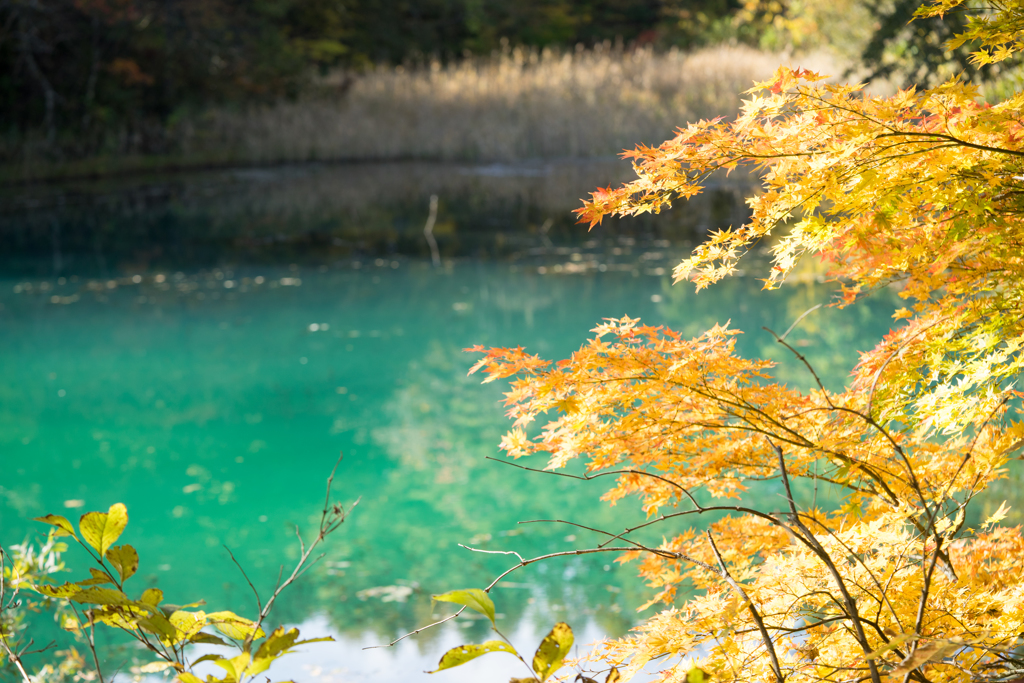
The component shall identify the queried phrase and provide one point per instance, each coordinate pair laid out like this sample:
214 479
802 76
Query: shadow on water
312 214
202 347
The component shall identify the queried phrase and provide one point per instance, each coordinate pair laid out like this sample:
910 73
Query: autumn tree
921 191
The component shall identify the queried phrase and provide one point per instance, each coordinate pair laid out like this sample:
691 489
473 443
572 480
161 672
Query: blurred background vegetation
203 81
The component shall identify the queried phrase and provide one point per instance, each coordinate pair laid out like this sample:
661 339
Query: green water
204 355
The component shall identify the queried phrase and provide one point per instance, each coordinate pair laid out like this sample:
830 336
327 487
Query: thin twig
796 322
419 630
332 517
765 636
259 602
819 550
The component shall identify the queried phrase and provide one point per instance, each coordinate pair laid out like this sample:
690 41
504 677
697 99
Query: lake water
203 347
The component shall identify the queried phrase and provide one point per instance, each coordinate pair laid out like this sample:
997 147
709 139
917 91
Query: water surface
202 348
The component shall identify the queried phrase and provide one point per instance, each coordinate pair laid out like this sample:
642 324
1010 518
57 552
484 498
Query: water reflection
317 214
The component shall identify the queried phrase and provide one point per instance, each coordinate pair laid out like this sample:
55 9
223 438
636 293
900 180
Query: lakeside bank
512 106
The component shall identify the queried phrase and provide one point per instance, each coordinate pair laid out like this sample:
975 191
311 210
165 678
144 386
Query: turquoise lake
202 348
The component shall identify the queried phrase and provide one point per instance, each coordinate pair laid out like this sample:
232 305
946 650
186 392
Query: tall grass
520 104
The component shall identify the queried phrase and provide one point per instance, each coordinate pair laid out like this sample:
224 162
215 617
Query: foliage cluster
168 633
899 579
84 67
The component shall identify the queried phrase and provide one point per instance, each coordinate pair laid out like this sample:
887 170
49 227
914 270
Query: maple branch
897 350
866 417
796 438
955 140
584 551
857 558
819 550
919 621
765 636
796 322
589 477
974 442
800 357
612 537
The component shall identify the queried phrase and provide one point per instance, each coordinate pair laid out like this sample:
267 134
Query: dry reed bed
517 105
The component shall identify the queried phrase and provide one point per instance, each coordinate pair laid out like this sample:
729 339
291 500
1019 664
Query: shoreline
510 108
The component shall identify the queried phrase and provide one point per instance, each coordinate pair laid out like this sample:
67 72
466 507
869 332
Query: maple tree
921 190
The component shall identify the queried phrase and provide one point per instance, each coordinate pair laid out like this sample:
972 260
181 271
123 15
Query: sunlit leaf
997 516
152 596
233 626
473 598
235 666
125 560
98 578
552 650
156 623
64 527
115 617
64 591
158 666
891 645
208 639
924 653
467 653
101 596
187 624
102 529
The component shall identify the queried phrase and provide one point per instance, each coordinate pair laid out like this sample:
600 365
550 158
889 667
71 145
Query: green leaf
65 591
115 616
186 677
235 666
276 644
152 596
473 598
98 578
64 527
307 641
187 624
101 529
208 639
125 560
176 608
552 650
234 626
697 675
101 596
466 653
159 625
